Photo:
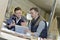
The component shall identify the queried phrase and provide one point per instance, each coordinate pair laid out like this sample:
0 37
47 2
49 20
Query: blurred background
44 6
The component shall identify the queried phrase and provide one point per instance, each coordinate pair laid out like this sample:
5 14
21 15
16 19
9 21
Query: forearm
12 25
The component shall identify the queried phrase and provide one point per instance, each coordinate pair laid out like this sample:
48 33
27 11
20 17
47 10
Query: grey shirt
39 29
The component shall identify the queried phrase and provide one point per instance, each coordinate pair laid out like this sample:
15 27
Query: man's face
33 13
18 13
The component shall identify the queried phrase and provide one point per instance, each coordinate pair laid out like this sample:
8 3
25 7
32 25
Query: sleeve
40 28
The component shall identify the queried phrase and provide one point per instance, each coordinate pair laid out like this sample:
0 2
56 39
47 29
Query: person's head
18 12
34 12
24 22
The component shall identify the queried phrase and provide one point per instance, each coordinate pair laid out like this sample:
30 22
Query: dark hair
34 8
17 8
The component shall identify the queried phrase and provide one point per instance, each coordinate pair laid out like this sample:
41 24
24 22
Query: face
33 13
18 13
23 23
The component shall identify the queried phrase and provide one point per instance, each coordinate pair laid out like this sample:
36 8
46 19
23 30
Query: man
38 25
16 19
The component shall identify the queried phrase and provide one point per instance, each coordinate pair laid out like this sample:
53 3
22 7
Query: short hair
17 8
34 8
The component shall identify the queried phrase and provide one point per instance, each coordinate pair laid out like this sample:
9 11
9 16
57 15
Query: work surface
10 37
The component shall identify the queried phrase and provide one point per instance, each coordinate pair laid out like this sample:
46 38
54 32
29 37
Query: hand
32 33
12 24
27 31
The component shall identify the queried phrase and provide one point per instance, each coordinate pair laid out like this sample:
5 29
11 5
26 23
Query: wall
25 5
3 6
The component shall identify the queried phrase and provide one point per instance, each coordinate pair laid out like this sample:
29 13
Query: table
10 35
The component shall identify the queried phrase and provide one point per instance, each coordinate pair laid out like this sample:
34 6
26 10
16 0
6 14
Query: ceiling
47 4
